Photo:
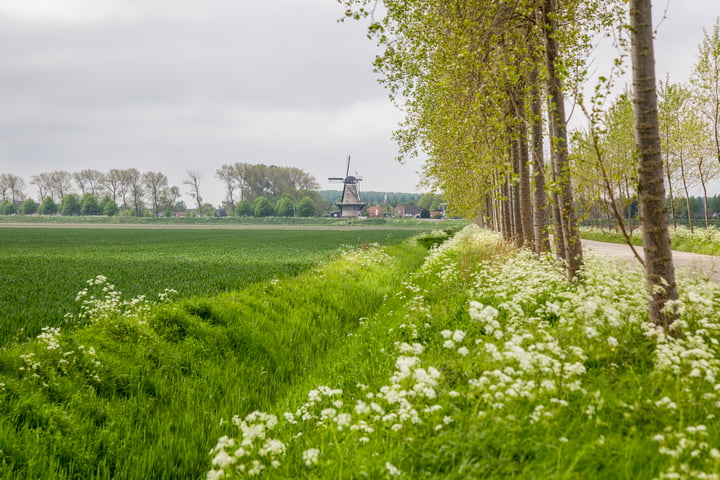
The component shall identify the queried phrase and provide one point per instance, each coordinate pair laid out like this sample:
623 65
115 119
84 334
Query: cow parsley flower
311 456
392 470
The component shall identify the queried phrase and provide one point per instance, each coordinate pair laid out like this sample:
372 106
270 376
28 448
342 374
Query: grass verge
497 367
705 241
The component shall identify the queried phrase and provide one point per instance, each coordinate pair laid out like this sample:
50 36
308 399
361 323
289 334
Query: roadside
705 266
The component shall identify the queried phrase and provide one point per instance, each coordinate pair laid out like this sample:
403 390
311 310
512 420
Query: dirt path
707 266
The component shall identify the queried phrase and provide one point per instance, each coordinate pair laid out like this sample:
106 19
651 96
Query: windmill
350 203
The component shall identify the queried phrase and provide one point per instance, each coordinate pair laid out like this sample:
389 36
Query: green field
42 269
471 360
137 389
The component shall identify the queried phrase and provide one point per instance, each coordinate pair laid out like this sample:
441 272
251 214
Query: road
706 265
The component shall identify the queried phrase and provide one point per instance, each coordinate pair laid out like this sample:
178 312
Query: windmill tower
350 203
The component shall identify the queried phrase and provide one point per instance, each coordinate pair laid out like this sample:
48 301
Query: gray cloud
173 86
176 85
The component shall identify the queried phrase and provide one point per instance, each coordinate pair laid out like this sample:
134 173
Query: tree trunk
526 209
659 268
558 239
559 144
705 203
688 203
506 213
517 226
542 242
672 199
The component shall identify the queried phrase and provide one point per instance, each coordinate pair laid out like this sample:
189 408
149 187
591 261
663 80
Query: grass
42 269
705 241
497 367
135 389
474 361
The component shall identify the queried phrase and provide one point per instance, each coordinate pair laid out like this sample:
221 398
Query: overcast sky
177 85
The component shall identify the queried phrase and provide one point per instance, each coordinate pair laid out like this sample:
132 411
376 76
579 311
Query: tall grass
137 387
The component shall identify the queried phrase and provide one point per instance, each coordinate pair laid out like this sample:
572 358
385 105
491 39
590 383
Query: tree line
252 190
484 87
605 158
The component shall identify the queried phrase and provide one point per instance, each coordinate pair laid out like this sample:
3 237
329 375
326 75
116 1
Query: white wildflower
223 459
311 456
392 470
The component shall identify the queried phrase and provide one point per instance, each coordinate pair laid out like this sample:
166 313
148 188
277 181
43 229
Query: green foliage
285 207
90 206
262 207
70 205
259 180
28 207
108 206
244 209
7 208
48 207
306 207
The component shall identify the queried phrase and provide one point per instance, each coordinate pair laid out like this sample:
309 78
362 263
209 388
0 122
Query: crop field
42 269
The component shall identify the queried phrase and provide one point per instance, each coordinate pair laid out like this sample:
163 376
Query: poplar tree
659 268
706 82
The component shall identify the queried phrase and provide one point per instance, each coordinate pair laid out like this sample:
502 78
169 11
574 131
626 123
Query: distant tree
28 207
262 207
424 213
4 187
705 80
244 209
193 181
108 206
70 205
48 206
89 205
285 207
714 204
89 181
226 173
60 183
132 185
7 208
254 181
306 207
169 201
112 181
155 183
42 182
11 187
431 201
301 180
